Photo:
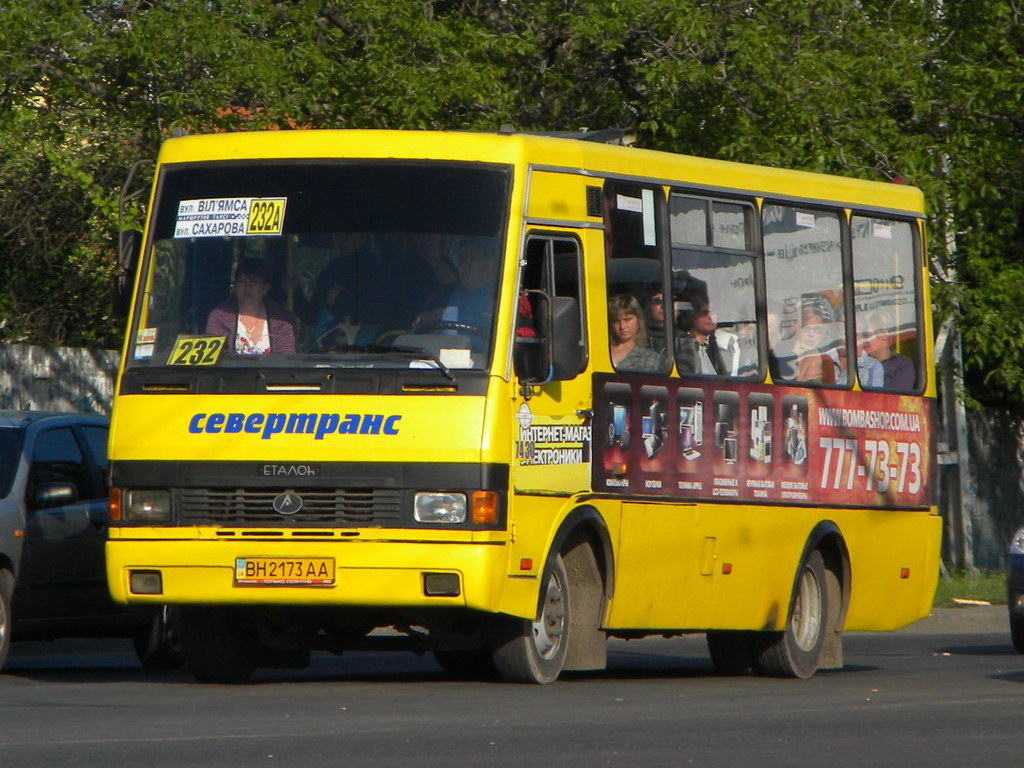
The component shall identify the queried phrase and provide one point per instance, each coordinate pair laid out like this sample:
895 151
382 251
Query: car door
63 573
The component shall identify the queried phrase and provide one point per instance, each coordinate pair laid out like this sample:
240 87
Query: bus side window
635 274
885 297
713 300
805 295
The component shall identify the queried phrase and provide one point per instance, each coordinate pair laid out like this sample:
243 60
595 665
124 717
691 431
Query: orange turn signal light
114 499
484 507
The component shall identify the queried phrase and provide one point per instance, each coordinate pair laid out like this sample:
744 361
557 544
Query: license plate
284 572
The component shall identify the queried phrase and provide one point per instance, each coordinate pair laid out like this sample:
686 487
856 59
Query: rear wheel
220 647
6 618
797 651
534 651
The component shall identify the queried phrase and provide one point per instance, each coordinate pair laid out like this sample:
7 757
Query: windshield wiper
417 352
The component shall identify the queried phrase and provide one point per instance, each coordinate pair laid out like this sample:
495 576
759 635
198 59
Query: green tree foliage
918 90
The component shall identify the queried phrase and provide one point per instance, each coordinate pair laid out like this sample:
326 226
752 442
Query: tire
797 651
534 651
6 617
1017 632
733 652
159 645
219 646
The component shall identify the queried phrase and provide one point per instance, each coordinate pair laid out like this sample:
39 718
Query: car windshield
11 440
323 264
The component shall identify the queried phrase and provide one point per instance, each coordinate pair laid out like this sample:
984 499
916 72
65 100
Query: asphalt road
943 692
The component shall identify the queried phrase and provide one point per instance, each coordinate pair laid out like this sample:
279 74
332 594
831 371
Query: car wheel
158 646
6 618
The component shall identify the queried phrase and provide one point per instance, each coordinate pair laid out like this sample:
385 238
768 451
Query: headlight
147 506
440 508
1017 543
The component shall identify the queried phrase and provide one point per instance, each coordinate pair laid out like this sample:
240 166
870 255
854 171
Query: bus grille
325 507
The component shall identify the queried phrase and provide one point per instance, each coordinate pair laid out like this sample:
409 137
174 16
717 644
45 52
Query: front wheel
796 652
6 617
534 651
219 646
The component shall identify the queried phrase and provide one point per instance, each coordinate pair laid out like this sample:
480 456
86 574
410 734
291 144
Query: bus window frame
550 236
918 246
755 252
845 261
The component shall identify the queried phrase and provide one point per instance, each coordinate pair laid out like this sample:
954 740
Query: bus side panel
657 569
706 567
894 557
721 567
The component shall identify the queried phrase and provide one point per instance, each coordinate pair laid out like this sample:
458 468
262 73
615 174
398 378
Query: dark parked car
1015 588
53 527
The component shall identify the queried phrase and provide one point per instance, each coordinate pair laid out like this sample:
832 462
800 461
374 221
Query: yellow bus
503 396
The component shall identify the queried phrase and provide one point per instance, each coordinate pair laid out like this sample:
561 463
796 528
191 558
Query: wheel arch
585 522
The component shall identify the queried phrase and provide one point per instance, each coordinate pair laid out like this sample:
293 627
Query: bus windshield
322 264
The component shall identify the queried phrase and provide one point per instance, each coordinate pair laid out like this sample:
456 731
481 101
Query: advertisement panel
732 441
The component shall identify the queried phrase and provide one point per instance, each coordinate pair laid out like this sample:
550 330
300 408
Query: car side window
96 440
57 458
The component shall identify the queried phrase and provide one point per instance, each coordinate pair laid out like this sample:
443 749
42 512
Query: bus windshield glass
322 264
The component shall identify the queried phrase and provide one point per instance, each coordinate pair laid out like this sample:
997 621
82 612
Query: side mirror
124 275
49 495
553 352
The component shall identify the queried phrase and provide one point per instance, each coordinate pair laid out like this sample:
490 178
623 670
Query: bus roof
550 152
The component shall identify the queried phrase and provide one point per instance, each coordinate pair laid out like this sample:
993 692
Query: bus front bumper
363 573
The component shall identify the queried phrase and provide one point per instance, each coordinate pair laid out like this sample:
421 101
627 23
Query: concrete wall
56 378
993 501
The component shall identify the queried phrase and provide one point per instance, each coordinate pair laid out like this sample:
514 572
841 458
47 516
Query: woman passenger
250 323
629 348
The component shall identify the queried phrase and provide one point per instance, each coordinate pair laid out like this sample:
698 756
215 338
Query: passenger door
63 569
553 444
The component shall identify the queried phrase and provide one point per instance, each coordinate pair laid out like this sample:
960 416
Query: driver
466 305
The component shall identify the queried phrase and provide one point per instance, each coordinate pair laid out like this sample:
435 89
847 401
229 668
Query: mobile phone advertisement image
715 440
